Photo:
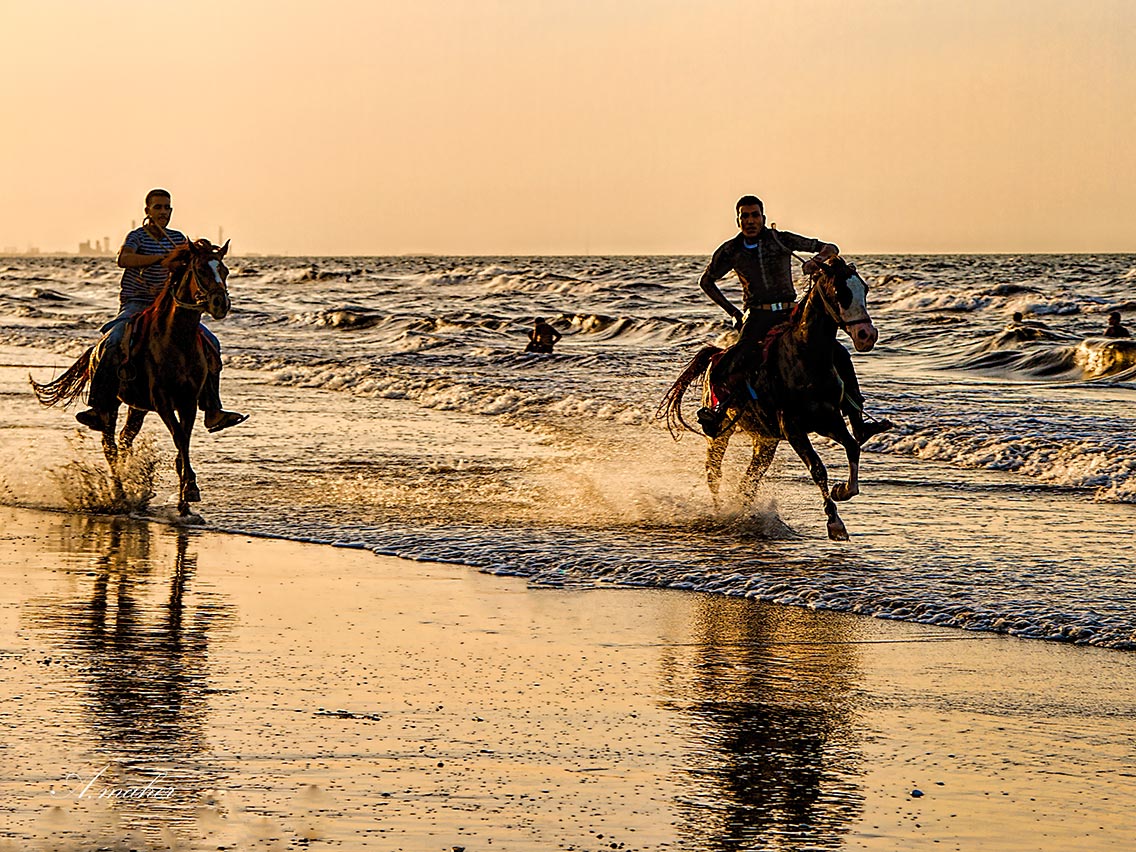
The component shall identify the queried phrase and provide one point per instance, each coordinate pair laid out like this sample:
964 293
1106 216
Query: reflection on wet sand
773 755
137 643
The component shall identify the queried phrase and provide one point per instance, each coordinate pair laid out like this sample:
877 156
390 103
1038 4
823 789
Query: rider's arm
720 265
710 288
827 250
128 258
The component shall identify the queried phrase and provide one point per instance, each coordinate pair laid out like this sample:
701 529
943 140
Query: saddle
716 390
134 339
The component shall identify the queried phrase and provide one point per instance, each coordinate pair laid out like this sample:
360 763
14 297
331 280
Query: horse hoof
191 495
187 517
837 531
841 491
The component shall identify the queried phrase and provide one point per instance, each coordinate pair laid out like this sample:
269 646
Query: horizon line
903 253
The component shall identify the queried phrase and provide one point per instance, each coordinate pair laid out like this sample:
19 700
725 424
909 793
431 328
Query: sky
500 127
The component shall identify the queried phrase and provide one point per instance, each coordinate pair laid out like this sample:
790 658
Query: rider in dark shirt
762 259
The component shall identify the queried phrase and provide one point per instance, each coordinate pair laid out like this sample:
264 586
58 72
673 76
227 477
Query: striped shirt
765 269
144 283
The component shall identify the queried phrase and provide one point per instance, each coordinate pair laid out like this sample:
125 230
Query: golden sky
572 126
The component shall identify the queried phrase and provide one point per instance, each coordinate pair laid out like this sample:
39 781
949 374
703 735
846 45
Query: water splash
90 487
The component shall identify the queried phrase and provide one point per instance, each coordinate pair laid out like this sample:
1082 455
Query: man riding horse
762 258
143 278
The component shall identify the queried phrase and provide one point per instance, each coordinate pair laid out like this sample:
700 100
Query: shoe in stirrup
220 419
869 429
93 418
710 419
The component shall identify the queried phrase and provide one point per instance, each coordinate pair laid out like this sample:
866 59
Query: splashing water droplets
87 484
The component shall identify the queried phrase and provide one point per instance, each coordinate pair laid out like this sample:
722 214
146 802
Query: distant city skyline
567 127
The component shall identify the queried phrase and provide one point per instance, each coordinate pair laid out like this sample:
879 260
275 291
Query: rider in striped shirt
143 279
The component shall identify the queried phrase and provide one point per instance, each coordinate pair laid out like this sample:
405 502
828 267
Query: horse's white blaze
857 322
215 265
858 310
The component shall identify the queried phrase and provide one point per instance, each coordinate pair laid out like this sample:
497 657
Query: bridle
201 299
832 309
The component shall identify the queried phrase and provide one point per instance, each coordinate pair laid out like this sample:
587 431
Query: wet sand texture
171 690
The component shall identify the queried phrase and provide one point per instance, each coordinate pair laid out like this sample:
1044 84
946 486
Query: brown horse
795 388
167 362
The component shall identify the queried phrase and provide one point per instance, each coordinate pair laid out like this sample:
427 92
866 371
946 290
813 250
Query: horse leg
187 481
715 452
189 490
799 441
109 449
839 432
130 431
763 452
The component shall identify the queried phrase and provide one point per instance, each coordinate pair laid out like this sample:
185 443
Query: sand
163 688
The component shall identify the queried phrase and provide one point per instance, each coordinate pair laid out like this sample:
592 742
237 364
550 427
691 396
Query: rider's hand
738 320
812 265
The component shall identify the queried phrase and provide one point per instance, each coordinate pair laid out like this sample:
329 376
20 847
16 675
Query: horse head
845 297
198 275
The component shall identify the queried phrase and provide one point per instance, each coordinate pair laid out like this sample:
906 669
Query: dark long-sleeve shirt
766 270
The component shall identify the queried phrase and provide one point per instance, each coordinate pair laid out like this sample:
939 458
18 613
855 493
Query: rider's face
751 220
160 210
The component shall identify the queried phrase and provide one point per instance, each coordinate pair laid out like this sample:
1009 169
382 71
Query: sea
393 408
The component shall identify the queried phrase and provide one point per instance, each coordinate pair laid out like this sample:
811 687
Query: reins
833 310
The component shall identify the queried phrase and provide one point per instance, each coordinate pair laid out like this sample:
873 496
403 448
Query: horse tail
68 386
670 408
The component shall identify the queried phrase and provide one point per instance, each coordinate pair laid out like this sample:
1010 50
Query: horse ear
223 250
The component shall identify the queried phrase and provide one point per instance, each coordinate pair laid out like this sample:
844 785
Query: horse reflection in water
772 752
141 642
798 390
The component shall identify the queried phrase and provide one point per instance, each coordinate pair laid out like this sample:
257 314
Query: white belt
773 306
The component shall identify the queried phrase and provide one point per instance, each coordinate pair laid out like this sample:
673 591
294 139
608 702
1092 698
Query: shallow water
393 410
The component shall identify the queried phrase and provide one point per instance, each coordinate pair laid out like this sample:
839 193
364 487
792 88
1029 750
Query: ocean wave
1101 357
1040 353
1105 466
446 393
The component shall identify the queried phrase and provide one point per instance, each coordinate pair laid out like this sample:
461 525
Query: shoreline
296 695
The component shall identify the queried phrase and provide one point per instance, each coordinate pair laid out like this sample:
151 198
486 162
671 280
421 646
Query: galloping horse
796 389
167 362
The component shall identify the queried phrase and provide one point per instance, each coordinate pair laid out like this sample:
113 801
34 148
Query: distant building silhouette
99 249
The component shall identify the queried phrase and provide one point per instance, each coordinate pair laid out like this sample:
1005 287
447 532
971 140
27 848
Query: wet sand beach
174 689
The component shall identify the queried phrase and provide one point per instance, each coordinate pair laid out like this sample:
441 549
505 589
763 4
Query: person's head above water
751 215
1114 318
1017 316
